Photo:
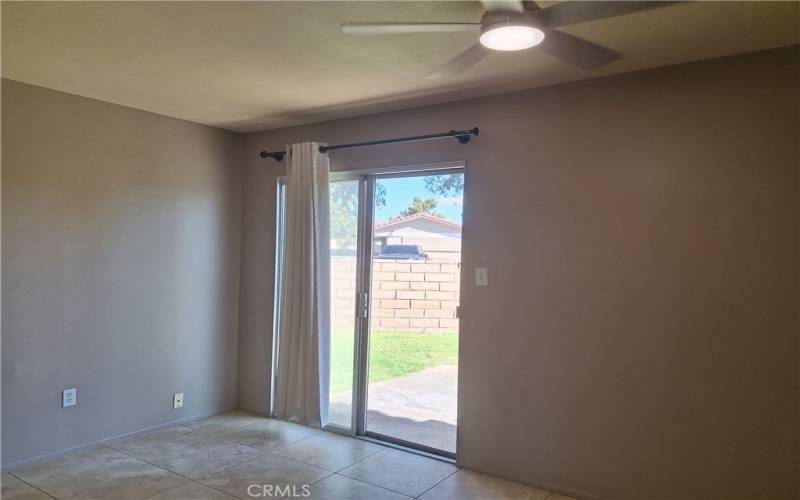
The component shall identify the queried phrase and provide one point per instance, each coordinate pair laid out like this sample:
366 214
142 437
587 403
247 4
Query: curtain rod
463 137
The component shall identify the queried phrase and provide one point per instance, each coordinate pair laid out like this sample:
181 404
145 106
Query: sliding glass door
413 327
345 204
395 267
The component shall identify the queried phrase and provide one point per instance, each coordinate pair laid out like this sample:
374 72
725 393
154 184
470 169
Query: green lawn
392 355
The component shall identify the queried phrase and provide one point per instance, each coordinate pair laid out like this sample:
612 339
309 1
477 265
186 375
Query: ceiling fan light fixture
509 37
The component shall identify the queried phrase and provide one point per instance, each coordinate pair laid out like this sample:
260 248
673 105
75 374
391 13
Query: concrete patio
420 408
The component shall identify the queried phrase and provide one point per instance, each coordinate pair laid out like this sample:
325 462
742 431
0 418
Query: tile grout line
262 453
293 443
322 478
383 450
274 452
440 482
313 433
231 443
360 460
330 473
180 475
386 449
372 484
303 463
32 485
313 482
286 445
338 472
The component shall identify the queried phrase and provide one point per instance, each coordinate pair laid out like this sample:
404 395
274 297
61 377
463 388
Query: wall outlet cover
177 400
481 276
69 397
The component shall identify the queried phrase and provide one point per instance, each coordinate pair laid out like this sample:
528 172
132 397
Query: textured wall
639 334
120 258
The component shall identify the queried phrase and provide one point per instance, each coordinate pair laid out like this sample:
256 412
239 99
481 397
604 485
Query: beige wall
121 244
648 347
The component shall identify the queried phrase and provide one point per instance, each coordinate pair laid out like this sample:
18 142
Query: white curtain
302 372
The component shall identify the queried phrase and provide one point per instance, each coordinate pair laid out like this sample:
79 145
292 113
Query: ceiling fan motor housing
510 31
492 20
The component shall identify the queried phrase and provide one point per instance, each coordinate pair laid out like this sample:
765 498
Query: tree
380 195
445 185
344 211
420 206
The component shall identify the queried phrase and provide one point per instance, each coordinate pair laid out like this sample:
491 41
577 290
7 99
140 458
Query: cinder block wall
409 296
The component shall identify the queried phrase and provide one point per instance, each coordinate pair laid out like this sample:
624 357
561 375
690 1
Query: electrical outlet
69 397
177 400
481 276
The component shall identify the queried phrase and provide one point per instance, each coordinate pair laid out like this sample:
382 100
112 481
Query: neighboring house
439 238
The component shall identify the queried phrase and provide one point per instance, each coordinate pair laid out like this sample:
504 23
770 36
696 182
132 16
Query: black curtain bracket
463 137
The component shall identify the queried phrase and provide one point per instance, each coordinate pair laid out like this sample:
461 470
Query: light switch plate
481 276
177 400
69 397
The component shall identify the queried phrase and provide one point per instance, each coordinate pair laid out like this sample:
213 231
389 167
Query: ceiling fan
510 25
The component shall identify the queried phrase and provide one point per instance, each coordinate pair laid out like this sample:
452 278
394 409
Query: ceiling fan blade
389 28
530 5
573 12
577 51
502 5
460 63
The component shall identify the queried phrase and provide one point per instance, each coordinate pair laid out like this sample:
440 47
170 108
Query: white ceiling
254 65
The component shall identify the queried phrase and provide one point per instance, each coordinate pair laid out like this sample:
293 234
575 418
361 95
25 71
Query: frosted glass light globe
512 38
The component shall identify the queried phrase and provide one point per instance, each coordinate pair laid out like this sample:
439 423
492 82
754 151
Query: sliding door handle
362 311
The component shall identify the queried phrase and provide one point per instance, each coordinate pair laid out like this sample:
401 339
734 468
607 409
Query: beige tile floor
220 457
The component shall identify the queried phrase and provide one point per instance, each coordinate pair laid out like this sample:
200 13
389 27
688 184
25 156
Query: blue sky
401 191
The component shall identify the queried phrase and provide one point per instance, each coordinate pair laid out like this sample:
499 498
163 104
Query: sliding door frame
360 311
365 261
363 306
280 232
366 213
